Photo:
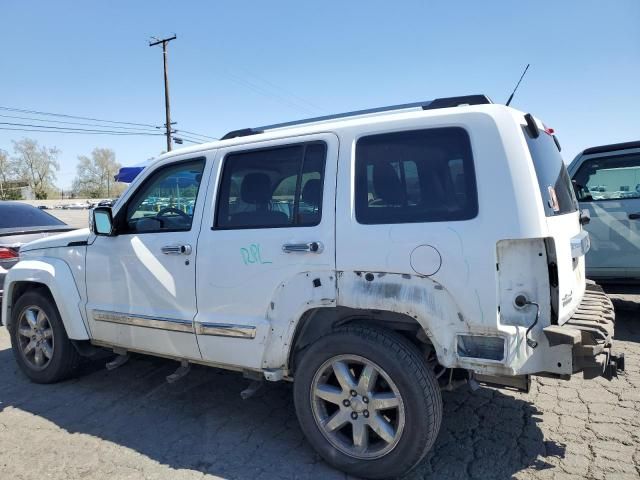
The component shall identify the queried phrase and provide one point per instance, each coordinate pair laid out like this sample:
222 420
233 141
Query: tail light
9 253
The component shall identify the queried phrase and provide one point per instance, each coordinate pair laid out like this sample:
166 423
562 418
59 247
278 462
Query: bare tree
95 177
6 171
36 165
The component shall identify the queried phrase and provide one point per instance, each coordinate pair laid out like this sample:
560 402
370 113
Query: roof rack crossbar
425 105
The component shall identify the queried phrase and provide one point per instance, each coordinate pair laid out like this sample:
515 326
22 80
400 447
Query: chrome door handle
634 216
311 247
176 249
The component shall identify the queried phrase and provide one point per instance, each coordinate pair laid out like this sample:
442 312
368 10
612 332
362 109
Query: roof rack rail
445 102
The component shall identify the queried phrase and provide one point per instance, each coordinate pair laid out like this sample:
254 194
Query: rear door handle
310 247
176 249
634 216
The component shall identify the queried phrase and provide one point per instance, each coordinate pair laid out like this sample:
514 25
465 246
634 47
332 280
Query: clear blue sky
240 64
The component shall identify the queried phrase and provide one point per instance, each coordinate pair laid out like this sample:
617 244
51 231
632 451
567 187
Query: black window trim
259 149
605 157
120 218
354 183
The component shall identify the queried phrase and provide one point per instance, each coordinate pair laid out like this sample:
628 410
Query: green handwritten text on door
252 255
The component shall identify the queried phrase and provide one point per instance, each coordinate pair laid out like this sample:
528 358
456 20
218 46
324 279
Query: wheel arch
318 322
54 277
423 310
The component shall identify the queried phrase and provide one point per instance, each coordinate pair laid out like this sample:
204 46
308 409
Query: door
268 254
141 282
609 187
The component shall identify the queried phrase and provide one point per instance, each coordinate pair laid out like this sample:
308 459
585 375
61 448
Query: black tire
64 358
407 369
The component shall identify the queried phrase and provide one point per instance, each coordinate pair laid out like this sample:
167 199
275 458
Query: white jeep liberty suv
374 258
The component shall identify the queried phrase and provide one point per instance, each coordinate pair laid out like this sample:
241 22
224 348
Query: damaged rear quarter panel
419 297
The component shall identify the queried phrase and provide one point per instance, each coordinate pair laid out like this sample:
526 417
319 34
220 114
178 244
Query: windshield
16 215
555 185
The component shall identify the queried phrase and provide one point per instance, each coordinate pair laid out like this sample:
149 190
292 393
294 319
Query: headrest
387 185
312 192
256 188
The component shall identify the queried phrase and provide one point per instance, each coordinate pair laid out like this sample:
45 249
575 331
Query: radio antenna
517 85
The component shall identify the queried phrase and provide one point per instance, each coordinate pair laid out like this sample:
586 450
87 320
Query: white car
607 183
372 258
77 206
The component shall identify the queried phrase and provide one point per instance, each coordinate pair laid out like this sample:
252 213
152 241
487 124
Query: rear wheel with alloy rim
357 407
367 401
39 341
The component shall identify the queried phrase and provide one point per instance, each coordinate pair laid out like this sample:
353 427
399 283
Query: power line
64 115
188 139
263 91
54 129
183 139
58 128
79 123
36 112
281 89
197 134
85 132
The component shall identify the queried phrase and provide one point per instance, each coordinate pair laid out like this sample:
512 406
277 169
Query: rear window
553 179
20 216
415 176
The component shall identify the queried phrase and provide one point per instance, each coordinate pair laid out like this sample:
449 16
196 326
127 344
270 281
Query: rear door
266 251
608 185
568 242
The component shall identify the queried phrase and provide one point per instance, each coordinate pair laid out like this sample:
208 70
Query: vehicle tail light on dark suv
9 256
8 253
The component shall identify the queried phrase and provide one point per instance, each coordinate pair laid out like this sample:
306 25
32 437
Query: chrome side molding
186 326
226 330
144 321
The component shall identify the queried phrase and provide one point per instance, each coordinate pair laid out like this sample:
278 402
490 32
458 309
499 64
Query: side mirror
102 223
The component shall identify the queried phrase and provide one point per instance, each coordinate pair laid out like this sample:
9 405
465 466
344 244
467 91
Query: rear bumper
589 332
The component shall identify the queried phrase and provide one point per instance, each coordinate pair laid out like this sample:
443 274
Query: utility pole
164 42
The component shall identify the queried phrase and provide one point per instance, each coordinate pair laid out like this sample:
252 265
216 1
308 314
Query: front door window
165 202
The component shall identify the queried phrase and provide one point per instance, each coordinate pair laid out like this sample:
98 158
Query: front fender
56 275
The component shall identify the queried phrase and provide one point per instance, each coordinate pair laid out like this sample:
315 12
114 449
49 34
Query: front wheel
39 341
367 401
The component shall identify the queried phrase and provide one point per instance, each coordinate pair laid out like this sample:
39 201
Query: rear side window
608 178
271 188
553 179
415 176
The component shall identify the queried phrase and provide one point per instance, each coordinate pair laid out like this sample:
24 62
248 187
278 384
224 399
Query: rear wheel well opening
318 322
